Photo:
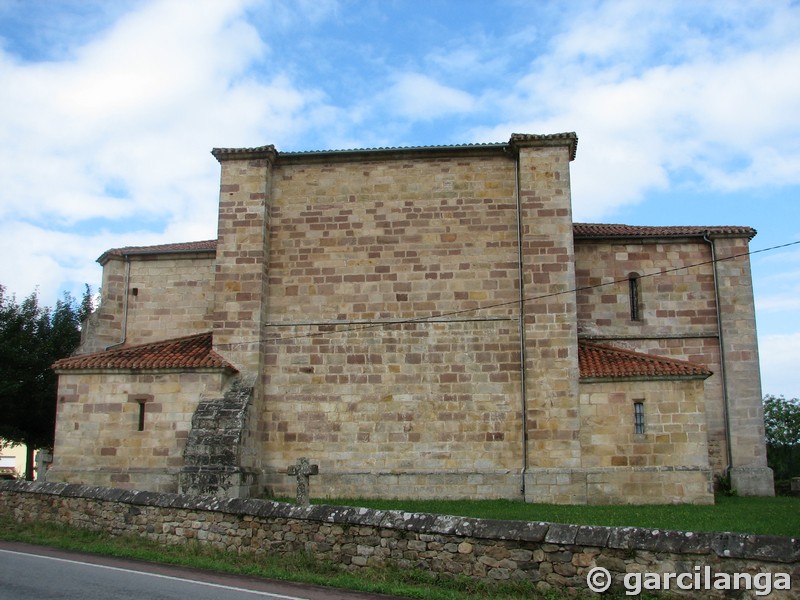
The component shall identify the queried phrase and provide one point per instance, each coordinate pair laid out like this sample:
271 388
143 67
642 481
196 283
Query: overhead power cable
343 328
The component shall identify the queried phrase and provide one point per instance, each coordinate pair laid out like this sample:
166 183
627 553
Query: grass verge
407 583
766 516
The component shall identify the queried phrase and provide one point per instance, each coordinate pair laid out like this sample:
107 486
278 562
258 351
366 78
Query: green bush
782 429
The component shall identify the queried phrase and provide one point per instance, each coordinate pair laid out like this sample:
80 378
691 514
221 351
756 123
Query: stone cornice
260 153
531 140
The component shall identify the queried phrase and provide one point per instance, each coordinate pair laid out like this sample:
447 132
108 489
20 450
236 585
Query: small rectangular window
141 400
142 404
633 292
638 417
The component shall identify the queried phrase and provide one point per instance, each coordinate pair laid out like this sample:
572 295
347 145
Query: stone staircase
212 457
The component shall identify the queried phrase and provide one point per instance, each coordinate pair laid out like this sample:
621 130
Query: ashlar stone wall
410 323
127 429
667 462
678 319
358 247
749 472
391 239
677 310
414 409
148 298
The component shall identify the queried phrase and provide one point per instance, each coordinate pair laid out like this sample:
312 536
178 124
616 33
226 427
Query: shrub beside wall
547 554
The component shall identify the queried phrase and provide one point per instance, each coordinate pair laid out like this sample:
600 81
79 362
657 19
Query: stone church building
422 322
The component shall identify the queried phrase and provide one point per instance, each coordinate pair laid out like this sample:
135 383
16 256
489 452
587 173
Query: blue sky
686 112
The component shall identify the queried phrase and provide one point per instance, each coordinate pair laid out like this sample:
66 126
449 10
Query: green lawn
769 516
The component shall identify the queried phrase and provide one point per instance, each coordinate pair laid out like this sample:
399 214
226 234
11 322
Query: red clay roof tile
191 352
600 361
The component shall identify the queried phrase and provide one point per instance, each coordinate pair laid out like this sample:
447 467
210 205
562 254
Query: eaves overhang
183 249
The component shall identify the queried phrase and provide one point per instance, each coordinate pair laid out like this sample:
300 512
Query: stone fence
547 554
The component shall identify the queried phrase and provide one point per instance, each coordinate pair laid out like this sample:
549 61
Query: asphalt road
39 573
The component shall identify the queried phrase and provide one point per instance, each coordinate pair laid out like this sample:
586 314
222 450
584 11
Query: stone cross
302 470
43 460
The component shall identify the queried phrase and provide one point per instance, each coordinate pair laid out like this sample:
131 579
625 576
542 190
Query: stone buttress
550 369
747 460
240 305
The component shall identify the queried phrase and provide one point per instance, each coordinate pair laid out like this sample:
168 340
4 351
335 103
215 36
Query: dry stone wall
546 554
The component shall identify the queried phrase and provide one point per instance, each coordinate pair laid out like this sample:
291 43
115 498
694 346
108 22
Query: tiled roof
270 152
612 230
191 352
180 247
600 361
195 352
567 138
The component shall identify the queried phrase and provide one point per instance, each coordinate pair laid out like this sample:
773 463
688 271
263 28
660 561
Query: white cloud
120 131
116 131
777 283
780 355
419 97
653 99
50 259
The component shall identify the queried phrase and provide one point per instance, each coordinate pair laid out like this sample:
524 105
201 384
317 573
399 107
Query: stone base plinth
642 485
223 482
753 481
154 480
413 485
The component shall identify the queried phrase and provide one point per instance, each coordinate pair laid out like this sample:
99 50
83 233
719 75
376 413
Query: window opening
638 417
634 292
141 414
141 400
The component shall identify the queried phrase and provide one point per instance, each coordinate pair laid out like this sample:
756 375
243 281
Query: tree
782 428
32 337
